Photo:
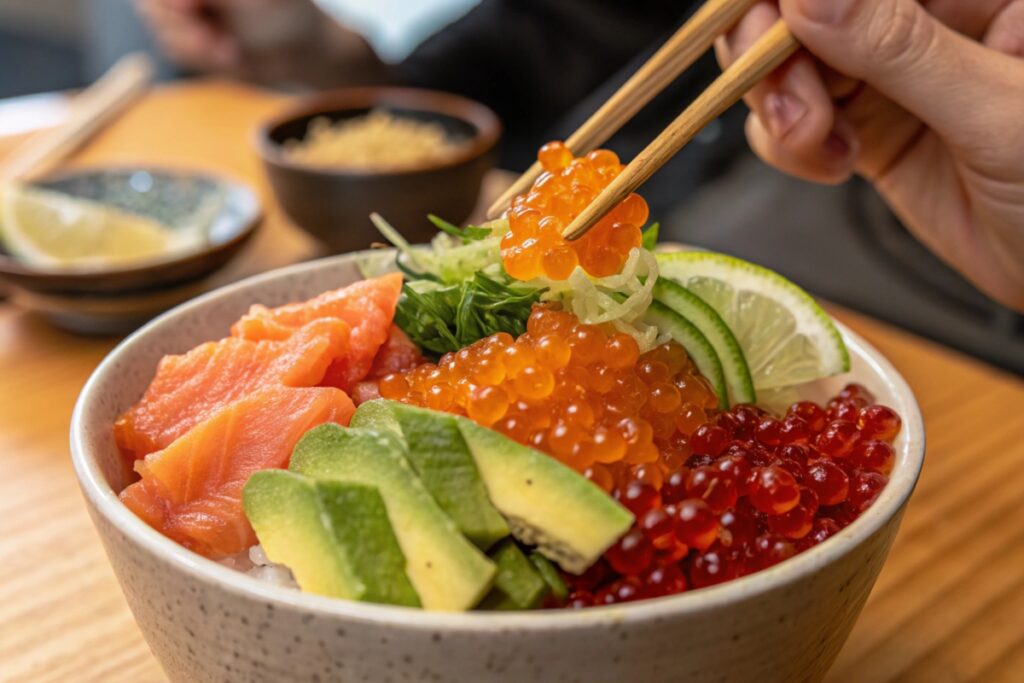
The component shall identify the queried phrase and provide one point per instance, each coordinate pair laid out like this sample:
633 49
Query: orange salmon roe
534 245
581 393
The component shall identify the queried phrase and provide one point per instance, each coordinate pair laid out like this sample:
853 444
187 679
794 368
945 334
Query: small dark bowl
334 204
114 300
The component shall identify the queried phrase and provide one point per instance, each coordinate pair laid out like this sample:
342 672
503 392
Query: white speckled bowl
205 622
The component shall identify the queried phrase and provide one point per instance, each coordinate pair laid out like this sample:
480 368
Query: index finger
792 103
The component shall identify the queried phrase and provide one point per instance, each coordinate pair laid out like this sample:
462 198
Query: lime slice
52 229
786 337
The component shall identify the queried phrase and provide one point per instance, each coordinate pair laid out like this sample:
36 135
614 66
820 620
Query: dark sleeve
533 60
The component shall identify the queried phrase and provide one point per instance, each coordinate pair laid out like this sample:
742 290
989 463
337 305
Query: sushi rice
255 564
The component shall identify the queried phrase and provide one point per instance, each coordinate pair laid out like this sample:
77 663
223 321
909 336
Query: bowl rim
11 265
487 124
890 503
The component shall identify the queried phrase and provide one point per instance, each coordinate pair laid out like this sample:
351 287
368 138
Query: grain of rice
265 570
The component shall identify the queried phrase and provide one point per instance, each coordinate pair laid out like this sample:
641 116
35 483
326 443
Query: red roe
838 439
749 490
773 490
534 246
696 524
829 481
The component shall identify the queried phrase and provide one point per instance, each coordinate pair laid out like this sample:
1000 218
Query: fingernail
783 111
837 146
823 11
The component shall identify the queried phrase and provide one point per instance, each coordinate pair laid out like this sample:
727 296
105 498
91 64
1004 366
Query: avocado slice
438 453
448 572
547 504
335 537
361 525
550 574
518 584
293 527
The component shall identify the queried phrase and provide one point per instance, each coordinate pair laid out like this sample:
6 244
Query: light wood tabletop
947 607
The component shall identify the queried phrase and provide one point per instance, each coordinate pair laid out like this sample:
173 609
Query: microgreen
650 236
470 233
442 318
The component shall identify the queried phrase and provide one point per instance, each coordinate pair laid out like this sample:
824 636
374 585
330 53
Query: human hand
265 40
188 36
210 35
925 100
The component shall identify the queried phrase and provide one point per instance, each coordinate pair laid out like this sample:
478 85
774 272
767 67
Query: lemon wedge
52 229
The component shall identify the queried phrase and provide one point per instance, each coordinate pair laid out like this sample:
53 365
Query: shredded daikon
620 299
448 258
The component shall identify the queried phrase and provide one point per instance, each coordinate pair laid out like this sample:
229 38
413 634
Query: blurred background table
946 608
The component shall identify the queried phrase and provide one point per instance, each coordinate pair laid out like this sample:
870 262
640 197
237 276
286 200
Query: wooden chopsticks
685 46
90 110
769 52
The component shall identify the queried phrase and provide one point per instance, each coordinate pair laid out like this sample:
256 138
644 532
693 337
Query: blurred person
270 41
544 66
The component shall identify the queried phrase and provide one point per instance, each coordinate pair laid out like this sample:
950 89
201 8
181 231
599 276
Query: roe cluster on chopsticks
534 246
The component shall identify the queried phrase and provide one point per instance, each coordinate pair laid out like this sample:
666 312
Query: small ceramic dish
118 300
334 204
207 622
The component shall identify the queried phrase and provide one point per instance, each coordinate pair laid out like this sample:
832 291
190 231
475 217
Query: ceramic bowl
334 204
112 300
206 622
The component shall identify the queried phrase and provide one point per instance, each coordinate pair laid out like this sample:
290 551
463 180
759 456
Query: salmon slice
192 490
191 387
367 390
368 306
397 355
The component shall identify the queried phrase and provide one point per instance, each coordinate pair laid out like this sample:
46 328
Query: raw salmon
191 387
192 490
213 416
397 355
368 306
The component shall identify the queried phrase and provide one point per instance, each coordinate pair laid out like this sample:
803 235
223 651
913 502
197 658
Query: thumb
902 51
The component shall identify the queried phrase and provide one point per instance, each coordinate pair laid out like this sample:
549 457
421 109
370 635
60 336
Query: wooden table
948 606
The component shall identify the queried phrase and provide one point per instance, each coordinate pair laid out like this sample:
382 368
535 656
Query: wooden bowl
207 622
334 204
114 300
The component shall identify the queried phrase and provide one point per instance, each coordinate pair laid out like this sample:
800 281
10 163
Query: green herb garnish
650 237
442 318
470 233
410 273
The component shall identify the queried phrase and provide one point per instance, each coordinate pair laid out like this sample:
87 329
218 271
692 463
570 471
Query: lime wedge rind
696 344
738 381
